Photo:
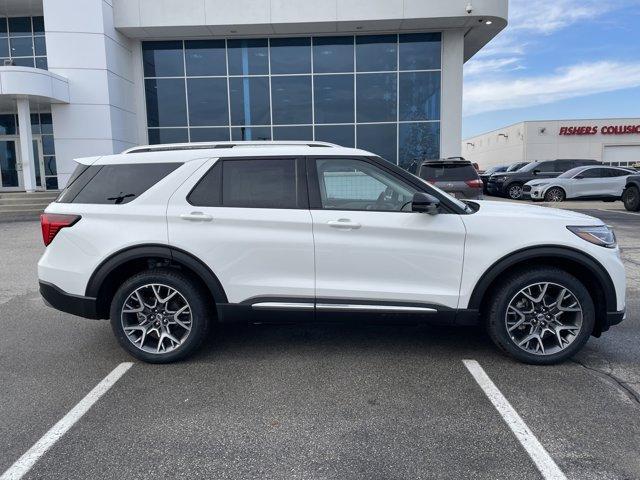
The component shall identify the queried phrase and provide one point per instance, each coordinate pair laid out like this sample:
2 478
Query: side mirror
424 203
536 172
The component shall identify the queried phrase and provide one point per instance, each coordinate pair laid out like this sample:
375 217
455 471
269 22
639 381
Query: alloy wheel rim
515 191
544 318
156 318
555 195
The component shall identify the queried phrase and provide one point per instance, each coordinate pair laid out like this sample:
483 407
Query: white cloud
482 66
547 16
575 81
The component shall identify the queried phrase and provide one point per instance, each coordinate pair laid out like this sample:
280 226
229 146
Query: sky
557 59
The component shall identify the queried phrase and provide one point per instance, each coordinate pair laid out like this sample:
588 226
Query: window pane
23 62
349 184
250 101
290 55
19 26
50 167
208 191
332 54
250 133
35 123
376 52
48 145
163 59
205 58
40 45
41 62
293 133
333 98
46 123
420 51
248 57
377 97
343 135
118 184
209 134
291 98
166 102
167 135
3 27
208 101
420 96
52 183
7 124
4 48
419 141
38 24
379 139
22 47
259 183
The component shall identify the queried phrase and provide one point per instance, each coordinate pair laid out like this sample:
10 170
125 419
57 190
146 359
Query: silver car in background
585 183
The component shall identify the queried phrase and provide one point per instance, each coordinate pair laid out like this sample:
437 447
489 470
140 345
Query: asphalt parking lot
321 402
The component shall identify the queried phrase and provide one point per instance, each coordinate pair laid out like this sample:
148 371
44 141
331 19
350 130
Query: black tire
631 198
514 191
510 286
555 194
188 289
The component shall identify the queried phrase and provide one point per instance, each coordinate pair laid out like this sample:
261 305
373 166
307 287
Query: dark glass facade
376 92
22 41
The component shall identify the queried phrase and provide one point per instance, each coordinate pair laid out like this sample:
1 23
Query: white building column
26 145
451 106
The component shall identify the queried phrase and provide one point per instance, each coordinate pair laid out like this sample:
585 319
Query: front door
10 166
371 249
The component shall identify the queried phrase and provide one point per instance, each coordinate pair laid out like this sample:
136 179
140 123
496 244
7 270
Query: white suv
165 240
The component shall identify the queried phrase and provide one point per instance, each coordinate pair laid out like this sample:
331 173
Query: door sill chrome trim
282 306
373 308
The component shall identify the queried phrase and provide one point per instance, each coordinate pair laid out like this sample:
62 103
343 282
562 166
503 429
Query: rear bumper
67 302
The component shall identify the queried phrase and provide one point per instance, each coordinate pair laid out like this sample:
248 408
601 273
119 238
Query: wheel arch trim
137 252
549 252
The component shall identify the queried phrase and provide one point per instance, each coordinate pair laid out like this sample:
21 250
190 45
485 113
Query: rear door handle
344 223
196 217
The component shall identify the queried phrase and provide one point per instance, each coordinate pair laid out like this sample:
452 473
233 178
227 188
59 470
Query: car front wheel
160 316
514 191
631 199
554 194
541 316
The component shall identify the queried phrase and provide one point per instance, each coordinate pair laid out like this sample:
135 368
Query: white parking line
26 461
525 436
618 211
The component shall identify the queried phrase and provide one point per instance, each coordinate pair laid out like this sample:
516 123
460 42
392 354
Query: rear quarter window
114 184
448 172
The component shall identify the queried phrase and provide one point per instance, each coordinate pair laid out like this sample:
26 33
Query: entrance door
10 167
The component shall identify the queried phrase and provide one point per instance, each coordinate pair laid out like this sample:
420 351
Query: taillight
476 183
52 223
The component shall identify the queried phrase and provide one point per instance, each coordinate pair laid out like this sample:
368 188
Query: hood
509 209
539 182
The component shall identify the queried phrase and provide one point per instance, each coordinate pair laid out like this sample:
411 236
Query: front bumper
495 188
66 302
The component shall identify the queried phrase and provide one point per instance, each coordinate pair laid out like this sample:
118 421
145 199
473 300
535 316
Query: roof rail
212 145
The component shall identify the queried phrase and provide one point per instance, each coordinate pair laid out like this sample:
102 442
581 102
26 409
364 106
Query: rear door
248 220
370 248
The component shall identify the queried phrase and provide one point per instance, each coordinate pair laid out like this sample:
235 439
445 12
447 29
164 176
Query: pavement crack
631 393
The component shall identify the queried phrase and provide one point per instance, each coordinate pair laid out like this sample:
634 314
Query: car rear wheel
514 192
160 316
554 194
541 316
631 198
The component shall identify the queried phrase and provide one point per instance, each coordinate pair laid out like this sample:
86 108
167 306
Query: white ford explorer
165 240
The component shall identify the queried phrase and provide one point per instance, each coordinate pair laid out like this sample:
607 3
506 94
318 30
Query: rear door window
115 184
448 172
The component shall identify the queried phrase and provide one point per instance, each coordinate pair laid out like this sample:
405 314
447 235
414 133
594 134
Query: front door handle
196 217
344 223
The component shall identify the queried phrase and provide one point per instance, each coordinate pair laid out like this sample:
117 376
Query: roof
185 152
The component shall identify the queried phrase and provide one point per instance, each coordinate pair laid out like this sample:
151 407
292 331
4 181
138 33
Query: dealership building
612 140
94 77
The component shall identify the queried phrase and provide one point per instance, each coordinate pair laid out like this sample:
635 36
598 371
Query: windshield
529 167
516 166
571 173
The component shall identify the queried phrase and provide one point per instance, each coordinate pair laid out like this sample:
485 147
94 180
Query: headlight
500 179
602 235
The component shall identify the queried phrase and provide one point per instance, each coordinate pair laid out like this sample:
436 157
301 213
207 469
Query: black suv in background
497 169
510 184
